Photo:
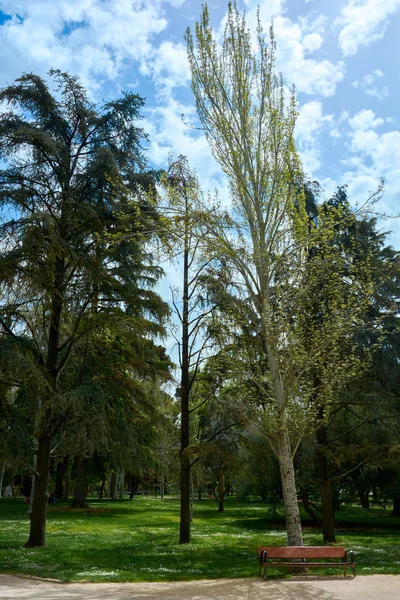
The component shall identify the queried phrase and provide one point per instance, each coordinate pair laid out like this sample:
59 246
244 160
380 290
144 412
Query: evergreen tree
74 265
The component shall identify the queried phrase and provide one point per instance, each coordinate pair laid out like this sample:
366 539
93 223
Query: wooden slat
302 551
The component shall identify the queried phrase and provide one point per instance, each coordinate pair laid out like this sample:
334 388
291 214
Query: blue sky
342 55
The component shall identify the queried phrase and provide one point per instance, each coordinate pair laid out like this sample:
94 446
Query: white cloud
312 42
170 131
90 38
169 67
365 119
373 156
311 76
311 123
372 79
363 22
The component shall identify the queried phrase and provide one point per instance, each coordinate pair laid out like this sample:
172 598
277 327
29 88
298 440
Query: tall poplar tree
241 105
266 243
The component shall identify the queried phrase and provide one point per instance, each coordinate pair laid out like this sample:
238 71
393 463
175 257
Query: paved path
373 587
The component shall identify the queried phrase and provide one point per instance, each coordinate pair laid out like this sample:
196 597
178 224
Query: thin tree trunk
37 534
3 469
103 482
121 485
67 480
114 484
162 485
221 491
81 485
184 534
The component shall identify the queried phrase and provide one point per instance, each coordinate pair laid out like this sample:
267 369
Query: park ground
137 541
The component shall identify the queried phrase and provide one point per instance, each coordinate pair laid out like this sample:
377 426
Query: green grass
138 541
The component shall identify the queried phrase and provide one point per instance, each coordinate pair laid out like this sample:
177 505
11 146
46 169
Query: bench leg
345 571
265 572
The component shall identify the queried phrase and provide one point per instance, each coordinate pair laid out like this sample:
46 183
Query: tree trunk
60 473
103 483
66 482
286 467
184 530
81 485
135 481
396 504
37 533
114 484
221 491
121 485
3 469
308 508
162 485
284 452
111 486
328 515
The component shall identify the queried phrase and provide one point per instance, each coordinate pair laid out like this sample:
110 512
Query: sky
342 56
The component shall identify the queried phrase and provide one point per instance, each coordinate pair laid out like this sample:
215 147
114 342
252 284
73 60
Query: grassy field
137 541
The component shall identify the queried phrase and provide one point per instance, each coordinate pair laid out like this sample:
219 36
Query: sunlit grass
138 540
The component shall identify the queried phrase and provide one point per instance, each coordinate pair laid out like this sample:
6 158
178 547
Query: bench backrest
302 551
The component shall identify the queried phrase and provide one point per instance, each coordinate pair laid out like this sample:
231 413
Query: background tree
183 210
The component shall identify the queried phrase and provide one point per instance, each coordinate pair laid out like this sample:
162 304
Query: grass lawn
137 540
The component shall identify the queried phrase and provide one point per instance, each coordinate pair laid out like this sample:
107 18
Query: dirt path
374 587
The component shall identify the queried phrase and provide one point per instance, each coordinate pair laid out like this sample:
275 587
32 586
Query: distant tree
185 212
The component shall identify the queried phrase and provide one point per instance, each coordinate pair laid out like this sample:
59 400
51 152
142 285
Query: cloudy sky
342 55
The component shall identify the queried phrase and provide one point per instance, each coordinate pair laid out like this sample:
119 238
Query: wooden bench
309 556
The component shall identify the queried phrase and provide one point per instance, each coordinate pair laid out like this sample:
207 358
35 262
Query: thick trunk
284 454
328 515
135 481
81 485
396 504
60 474
37 533
286 467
